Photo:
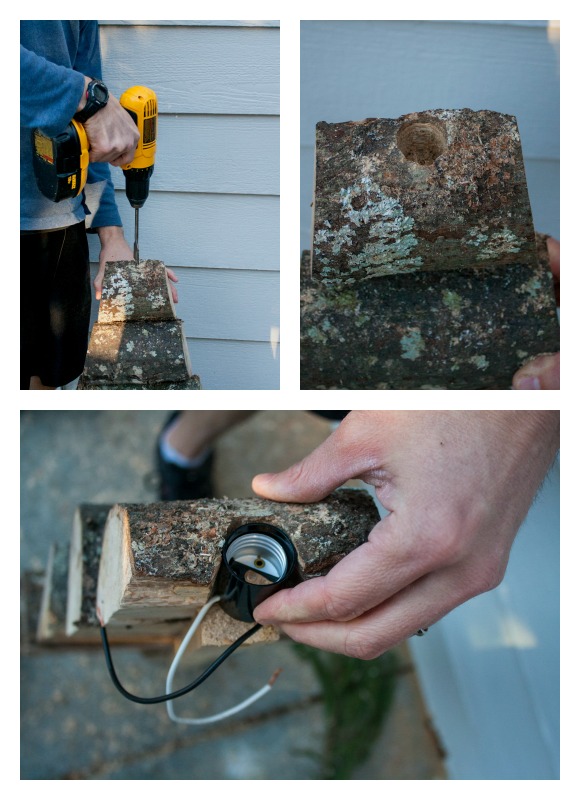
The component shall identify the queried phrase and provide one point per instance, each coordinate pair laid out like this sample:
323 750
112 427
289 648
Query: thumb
541 373
333 463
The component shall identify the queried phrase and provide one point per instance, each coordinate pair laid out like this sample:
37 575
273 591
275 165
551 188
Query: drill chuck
137 185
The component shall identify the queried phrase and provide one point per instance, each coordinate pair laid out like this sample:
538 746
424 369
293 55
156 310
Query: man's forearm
49 93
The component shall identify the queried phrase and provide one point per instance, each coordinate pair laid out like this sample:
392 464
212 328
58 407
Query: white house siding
489 670
213 209
356 69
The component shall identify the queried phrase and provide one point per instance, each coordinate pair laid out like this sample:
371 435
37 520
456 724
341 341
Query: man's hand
457 484
112 134
114 247
543 372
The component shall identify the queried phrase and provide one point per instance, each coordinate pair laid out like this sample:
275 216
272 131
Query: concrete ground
75 725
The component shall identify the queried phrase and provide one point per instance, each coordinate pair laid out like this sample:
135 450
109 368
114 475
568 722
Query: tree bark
74 590
85 553
160 560
424 271
436 190
140 353
192 383
461 329
137 342
135 292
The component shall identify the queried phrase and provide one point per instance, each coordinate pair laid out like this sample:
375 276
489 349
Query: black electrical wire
179 692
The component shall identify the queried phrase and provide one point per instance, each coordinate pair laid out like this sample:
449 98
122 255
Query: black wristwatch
97 97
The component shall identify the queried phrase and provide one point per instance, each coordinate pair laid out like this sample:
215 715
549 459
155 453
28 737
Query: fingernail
528 382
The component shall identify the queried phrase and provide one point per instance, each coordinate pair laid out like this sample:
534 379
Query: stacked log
137 341
160 561
425 271
145 570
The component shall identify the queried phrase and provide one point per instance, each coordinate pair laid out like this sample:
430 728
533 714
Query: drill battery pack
61 162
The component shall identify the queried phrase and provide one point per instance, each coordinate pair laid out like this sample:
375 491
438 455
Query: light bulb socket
258 560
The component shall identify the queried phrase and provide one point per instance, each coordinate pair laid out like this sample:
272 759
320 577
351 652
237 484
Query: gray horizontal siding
206 230
229 154
229 304
519 23
196 70
543 178
234 365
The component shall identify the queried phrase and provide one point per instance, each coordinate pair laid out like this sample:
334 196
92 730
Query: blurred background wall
351 70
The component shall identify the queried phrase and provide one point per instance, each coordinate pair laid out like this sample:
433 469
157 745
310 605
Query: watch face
97 96
100 93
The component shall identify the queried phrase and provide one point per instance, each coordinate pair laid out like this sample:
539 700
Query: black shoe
183 483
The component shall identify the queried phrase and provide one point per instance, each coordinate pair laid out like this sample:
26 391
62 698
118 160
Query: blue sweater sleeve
49 93
54 59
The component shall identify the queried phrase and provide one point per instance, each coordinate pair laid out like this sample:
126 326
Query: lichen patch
389 238
493 245
412 344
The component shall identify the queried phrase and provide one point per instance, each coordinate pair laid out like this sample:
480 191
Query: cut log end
115 568
131 592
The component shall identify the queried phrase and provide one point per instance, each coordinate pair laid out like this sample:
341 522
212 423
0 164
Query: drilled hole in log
421 142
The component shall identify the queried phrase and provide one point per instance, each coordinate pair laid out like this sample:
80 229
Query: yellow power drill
61 162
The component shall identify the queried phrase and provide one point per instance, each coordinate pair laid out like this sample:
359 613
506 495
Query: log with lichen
134 291
160 561
436 190
137 341
424 270
69 617
139 353
85 552
461 329
68 611
191 383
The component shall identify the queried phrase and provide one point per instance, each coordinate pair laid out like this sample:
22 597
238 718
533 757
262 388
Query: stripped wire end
274 677
100 617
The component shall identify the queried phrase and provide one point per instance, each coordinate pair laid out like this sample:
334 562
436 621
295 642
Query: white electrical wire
173 668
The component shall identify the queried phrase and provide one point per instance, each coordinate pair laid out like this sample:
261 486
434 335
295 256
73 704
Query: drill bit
136 244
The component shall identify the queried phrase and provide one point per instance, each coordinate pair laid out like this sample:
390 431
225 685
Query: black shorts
55 305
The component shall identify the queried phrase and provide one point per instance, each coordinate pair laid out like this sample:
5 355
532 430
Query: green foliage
357 696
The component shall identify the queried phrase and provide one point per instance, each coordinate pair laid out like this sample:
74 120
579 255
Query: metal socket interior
260 553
